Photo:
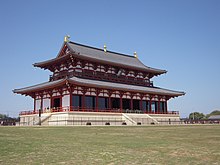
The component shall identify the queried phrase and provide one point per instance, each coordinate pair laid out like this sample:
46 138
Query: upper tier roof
99 55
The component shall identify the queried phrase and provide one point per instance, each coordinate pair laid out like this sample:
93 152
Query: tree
2 116
216 112
196 116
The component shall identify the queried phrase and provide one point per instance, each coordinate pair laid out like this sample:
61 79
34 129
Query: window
77 101
153 106
162 106
102 102
146 106
90 102
136 104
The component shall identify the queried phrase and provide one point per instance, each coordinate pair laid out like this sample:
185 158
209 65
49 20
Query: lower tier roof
98 84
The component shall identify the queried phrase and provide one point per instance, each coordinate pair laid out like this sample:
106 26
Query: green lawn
111 145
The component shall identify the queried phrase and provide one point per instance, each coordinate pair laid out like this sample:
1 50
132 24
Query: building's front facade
89 79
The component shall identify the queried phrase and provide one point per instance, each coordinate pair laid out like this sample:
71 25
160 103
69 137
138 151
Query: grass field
111 145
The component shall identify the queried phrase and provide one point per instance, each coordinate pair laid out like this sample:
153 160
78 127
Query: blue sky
181 36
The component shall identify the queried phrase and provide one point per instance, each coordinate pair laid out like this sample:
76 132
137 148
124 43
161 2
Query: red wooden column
121 105
96 100
34 104
150 110
41 103
141 104
131 102
71 99
51 104
83 99
166 106
109 100
61 100
158 108
109 103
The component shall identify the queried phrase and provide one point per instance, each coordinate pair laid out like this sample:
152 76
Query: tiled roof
45 85
96 54
111 57
126 87
100 84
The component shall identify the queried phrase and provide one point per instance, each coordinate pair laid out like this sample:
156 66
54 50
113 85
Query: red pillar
109 103
71 100
150 110
158 108
121 105
34 105
41 104
131 104
141 105
83 102
97 103
166 106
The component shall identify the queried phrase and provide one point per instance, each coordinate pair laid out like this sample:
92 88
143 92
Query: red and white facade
89 79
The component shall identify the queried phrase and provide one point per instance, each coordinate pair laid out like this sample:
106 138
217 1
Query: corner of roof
64 43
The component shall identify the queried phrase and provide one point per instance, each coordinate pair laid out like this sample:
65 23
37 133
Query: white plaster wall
46 103
38 103
66 100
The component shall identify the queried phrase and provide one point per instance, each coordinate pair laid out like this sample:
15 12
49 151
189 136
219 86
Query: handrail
105 76
87 109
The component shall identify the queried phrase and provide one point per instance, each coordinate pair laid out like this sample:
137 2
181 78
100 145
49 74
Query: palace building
96 86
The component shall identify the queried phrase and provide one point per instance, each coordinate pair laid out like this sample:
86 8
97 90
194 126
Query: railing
78 109
102 76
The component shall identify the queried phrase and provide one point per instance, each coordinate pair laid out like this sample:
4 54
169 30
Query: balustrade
79 109
96 75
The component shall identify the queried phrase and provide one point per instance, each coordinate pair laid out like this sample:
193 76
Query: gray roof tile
100 84
126 87
39 86
112 57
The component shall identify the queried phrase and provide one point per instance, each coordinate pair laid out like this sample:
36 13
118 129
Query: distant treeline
201 116
6 120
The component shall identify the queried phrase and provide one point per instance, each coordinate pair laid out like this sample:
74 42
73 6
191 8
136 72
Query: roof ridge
92 47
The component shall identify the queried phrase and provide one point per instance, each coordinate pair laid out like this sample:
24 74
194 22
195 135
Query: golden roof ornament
66 38
105 48
135 55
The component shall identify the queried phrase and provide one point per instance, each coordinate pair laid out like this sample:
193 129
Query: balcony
102 76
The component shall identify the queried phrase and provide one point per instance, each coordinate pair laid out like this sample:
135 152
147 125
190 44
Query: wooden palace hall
97 86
